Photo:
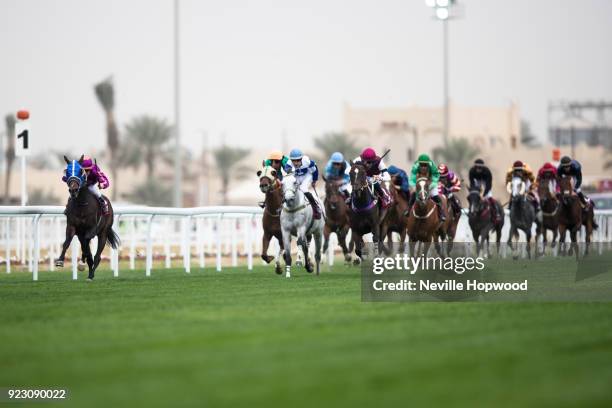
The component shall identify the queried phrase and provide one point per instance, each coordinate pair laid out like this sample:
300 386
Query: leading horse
85 219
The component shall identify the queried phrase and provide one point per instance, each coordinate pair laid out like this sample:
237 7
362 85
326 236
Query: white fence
226 232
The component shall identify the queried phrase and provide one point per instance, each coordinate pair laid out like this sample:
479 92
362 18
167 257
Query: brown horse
337 217
423 222
481 221
454 215
549 203
366 212
270 185
396 219
570 214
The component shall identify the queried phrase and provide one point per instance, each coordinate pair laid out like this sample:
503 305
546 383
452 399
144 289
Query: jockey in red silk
376 171
548 172
448 184
95 178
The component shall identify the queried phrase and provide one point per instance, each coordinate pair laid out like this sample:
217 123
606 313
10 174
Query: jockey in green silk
425 167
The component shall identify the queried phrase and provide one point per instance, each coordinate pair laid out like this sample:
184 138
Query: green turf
240 338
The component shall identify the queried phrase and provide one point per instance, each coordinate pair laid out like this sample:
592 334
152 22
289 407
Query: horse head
422 190
566 183
516 188
267 179
359 179
475 200
75 176
290 190
332 192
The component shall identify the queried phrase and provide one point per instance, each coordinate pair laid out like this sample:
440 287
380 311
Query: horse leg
70 232
317 241
287 252
86 251
265 243
358 242
96 261
528 234
326 233
402 246
342 241
302 242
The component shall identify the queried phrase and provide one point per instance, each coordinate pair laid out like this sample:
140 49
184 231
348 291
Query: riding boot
104 205
407 197
383 194
441 213
316 212
583 199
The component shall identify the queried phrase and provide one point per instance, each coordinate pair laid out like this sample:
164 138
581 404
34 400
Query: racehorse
365 215
396 219
270 185
423 221
522 215
481 221
550 212
85 219
570 215
297 218
337 217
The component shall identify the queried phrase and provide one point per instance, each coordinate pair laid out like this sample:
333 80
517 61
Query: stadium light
442 11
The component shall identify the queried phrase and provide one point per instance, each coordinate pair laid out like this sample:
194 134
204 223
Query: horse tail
113 239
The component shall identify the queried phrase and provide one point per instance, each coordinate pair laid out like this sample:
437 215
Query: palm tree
10 153
336 142
146 139
151 192
457 154
105 92
227 159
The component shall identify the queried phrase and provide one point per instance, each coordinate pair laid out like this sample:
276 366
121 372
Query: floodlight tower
442 12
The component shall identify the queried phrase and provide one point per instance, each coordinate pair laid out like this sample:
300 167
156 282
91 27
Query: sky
253 70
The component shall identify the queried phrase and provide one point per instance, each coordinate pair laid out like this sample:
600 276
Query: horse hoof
309 268
278 270
356 261
89 279
59 264
81 267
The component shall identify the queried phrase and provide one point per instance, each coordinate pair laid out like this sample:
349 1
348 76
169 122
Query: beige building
412 130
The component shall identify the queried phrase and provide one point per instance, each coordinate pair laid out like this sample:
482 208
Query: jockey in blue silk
572 168
338 169
306 173
400 178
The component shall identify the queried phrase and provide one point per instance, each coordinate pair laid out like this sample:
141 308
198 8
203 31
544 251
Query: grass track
240 338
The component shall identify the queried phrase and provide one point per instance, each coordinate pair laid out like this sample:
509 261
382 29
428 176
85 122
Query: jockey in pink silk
95 180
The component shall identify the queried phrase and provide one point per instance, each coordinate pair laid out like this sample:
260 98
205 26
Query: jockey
449 183
337 169
425 167
480 175
376 171
523 171
278 161
94 180
548 172
572 168
306 173
401 180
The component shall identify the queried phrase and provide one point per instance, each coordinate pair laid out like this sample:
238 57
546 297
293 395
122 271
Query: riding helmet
87 163
424 159
518 165
566 161
479 162
443 169
296 154
337 157
368 154
275 155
